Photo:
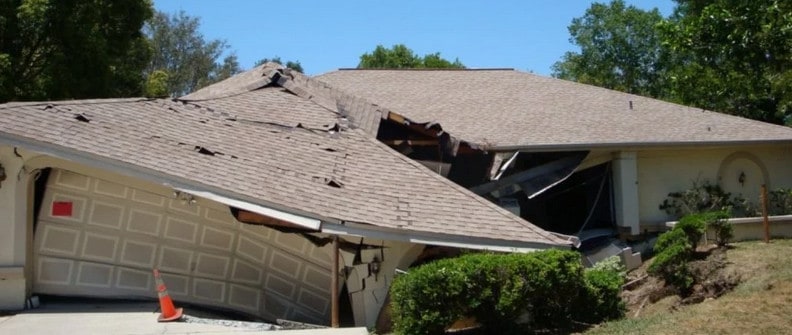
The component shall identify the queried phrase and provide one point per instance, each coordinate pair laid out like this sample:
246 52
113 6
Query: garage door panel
117 233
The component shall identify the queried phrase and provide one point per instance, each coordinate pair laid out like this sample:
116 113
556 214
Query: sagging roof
265 145
509 110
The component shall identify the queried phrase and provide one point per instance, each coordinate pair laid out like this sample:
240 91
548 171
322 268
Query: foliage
675 248
693 226
156 85
401 57
294 65
603 290
72 49
610 264
499 290
718 221
180 50
700 197
731 56
780 202
619 49
672 253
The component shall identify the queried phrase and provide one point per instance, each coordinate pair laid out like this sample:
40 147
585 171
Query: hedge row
504 292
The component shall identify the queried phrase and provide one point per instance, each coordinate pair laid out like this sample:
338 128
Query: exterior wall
625 188
663 171
15 236
368 292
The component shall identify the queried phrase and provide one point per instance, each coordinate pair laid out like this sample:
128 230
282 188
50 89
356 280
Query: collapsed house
570 158
240 194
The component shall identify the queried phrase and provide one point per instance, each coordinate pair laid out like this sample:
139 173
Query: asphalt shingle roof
271 147
507 108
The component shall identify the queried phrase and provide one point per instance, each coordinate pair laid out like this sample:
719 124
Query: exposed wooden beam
334 285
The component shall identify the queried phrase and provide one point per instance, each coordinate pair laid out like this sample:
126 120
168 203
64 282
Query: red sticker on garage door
62 208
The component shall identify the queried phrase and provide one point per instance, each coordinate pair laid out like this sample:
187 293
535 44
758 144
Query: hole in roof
330 149
333 183
81 118
204 151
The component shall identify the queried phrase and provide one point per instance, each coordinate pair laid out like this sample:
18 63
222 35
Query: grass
761 304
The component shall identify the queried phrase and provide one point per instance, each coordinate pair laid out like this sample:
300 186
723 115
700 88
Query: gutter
630 145
429 238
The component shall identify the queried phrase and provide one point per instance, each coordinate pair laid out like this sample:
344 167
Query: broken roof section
511 110
256 141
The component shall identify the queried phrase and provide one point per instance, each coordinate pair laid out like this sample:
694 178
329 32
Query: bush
499 289
780 202
601 298
693 226
718 221
703 197
675 248
672 253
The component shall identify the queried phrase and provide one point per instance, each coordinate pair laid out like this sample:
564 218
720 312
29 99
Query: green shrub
718 221
780 202
693 226
703 197
672 253
601 298
498 289
675 248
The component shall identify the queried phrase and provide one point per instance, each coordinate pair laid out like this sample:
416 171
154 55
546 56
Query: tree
295 65
619 49
733 56
72 49
730 56
402 57
180 50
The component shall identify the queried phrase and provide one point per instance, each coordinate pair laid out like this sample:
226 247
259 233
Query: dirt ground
645 294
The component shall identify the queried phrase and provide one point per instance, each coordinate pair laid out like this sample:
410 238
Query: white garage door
102 239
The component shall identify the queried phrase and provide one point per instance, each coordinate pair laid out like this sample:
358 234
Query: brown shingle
247 145
506 108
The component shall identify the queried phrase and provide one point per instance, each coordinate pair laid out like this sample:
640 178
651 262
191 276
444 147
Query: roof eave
429 238
632 145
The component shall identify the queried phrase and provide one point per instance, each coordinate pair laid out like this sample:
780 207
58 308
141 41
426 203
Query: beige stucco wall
663 171
367 291
14 237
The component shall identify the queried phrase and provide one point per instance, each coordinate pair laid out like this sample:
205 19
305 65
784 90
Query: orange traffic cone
169 312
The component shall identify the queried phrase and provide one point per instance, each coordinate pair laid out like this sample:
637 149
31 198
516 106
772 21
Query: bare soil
713 277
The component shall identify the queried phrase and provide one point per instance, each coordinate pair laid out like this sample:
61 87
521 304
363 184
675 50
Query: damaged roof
267 145
507 109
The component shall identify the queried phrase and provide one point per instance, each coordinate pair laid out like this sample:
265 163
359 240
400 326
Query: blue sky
527 35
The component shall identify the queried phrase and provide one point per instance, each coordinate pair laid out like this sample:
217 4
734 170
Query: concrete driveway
134 318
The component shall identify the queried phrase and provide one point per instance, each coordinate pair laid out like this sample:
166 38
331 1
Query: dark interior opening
584 201
346 317
39 187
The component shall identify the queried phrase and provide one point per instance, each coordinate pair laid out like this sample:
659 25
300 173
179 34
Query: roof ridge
14 104
429 69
